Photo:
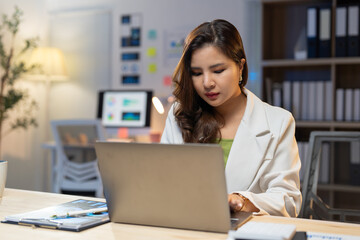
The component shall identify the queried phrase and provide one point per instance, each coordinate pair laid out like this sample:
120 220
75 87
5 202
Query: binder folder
325 32
287 95
340 92
312 103
356 110
320 101
296 100
329 100
312 32
353 31
349 102
340 32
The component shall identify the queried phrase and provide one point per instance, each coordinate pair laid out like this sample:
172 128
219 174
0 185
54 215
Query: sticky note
152 67
152 34
167 80
151 52
123 133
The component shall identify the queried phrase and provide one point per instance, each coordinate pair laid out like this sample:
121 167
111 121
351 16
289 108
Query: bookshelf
283 24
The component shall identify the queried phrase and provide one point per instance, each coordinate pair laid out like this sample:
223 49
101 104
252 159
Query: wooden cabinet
284 26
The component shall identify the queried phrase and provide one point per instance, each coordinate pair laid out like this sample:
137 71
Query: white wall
173 17
23 148
180 17
82 29
84 37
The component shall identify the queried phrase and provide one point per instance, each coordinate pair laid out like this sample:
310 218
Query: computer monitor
124 108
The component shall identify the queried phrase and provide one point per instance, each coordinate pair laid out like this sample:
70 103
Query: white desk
19 201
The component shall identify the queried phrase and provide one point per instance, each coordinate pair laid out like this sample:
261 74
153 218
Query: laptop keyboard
238 219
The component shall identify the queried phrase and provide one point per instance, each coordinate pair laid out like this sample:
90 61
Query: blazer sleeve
280 185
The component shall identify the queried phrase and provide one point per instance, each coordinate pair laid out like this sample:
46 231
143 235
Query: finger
238 206
235 205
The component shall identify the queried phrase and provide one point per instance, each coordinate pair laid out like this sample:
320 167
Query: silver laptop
179 186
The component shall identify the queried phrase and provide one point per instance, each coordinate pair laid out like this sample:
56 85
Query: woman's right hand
240 203
236 202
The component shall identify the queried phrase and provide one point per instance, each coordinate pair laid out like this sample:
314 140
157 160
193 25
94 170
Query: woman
213 106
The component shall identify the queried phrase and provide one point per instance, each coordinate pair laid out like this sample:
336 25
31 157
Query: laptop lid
180 186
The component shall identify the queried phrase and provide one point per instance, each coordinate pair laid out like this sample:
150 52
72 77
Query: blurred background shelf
310 62
284 26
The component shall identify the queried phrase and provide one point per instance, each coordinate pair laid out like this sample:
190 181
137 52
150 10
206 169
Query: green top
226 146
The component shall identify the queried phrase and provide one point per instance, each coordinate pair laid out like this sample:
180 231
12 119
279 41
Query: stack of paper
264 231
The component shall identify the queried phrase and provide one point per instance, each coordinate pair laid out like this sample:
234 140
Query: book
76 216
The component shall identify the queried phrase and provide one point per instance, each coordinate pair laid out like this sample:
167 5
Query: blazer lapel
250 146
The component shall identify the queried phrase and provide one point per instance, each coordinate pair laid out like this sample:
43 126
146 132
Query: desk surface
19 201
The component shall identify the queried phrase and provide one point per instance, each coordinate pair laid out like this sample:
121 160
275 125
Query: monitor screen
124 108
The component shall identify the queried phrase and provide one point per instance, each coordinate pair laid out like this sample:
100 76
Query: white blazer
263 163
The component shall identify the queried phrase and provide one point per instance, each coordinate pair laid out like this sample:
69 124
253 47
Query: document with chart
76 215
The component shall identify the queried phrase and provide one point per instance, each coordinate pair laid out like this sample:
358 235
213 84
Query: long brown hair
197 120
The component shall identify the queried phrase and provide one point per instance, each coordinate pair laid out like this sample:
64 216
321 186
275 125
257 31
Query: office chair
76 168
312 205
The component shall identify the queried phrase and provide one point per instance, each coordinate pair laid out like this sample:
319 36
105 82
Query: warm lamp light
51 68
51 65
158 105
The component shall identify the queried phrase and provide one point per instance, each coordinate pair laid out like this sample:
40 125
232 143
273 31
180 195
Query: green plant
14 100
